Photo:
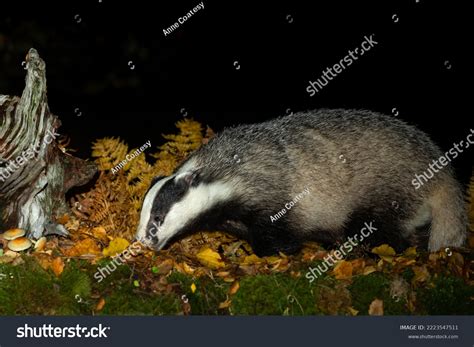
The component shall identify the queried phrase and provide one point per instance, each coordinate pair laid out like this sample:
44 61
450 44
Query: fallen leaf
234 288
100 233
57 266
193 288
165 266
385 252
86 246
100 304
225 304
63 219
369 270
188 269
353 311
358 265
116 246
376 308
223 273
252 259
410 252
210 258
343 270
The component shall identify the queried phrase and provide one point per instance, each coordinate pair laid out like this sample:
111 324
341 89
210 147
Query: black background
193 68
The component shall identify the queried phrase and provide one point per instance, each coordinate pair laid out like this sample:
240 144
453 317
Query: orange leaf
63 219
58 266
343 270
86 246
100 304
225 304
234 288
100 233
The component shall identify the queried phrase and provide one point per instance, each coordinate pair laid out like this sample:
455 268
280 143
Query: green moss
408 274
207 296
126 300
365 289
28 289
448 295
276 294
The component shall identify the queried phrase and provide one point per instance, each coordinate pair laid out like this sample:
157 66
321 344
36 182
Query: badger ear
190 178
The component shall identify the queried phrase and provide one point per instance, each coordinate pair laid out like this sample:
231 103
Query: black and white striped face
174 203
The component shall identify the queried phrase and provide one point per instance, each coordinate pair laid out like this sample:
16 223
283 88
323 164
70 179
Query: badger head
174 204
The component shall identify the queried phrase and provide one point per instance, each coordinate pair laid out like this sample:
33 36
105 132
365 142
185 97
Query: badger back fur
329 171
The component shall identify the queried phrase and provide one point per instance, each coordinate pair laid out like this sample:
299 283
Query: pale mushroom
39 245
13 234
19 244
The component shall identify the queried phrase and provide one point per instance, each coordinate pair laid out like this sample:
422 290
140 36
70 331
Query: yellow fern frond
116 199
109 152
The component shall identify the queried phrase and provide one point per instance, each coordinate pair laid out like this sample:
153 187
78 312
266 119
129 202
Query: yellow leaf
58 266
385 252
369 270
210 258
188 269
116 246
376 308
343 270
252 259
193 288
272 259
410 252
353 311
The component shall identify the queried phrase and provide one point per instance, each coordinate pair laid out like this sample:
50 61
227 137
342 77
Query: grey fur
352 161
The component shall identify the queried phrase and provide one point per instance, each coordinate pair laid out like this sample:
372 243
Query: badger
310 176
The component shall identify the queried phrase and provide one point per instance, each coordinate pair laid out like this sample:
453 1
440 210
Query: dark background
193 68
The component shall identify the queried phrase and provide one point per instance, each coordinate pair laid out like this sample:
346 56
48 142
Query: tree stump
35 173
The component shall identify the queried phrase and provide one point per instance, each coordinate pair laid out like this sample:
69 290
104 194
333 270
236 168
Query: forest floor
212 273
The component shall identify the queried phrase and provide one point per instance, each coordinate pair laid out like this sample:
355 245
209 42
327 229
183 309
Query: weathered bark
34 174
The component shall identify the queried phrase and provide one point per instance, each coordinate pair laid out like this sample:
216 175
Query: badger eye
157 221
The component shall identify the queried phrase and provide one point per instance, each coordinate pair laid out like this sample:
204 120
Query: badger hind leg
448 214
386 223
